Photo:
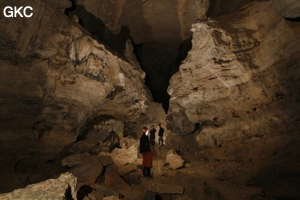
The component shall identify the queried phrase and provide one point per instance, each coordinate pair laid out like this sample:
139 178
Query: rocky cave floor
258 168
261 168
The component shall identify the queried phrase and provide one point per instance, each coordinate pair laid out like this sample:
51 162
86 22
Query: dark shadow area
293 19
89 125
160 63
271 179
114 141
68 194
158 197
83 192
183 51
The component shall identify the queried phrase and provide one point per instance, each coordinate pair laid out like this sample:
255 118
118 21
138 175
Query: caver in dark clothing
160 135
144 142
152 136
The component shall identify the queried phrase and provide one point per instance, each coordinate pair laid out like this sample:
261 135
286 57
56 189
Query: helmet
144 129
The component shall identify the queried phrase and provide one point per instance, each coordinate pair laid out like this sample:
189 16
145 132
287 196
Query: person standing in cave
160 135
146 151
152 136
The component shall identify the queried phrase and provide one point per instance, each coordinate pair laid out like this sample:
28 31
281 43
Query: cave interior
79 80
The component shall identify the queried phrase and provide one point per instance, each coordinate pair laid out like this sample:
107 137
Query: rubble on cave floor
107 165
234 171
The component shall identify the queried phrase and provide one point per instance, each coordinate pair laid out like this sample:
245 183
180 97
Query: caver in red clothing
145 150
147 159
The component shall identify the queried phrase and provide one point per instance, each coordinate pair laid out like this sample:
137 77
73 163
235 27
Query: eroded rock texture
54 80
61 188
237 93
242 68
158 28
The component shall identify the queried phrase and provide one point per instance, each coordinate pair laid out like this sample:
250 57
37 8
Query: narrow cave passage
158 59
160 63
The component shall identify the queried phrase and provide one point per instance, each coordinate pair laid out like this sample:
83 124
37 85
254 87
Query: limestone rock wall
240 79
54 79
157 28
160 30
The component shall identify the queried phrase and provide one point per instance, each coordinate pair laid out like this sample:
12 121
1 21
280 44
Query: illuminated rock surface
58 189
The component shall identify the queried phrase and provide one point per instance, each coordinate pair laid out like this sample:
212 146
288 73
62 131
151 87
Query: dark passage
158 60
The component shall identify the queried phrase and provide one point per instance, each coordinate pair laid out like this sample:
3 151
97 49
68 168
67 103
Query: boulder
126 169
85 167
174 160
49 189
133 177
105 159
124 156
84 146
116 183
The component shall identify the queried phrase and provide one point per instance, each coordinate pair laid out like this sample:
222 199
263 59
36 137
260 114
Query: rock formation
55 80
231 76
157 28
238 89
60 188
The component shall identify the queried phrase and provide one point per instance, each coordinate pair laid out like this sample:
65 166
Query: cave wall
235 101
240 79
54 79
157 28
